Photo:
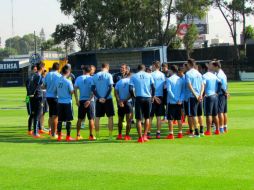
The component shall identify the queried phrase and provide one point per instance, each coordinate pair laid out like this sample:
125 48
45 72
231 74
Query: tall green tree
6 52
23 44
189 39
233 11
249 32
127 23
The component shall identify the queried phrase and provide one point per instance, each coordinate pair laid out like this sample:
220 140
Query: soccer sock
222 126
180 131
110 134
171 132
68 128
97 134
35 127
30 122
59 127
39 125
196 131
201 129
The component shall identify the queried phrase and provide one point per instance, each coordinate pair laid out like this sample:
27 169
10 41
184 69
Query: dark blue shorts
194 107
222 104
211 105
158 109
186 108
52 103
65 112
104 108
127 109
174 112
142 108
82 111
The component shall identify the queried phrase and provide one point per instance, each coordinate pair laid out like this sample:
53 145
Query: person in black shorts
64 89
175 91
84 84
158 108
124 105
102 87
143 84
50 85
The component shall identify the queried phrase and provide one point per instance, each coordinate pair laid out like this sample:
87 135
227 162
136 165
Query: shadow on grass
17 135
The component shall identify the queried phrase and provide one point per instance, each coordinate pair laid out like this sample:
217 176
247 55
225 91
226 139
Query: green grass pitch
224 162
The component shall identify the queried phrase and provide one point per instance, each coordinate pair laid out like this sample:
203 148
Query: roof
119 50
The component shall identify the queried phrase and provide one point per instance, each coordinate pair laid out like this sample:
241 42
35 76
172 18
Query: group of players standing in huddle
169 93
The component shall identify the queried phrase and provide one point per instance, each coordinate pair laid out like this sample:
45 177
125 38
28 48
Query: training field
217 162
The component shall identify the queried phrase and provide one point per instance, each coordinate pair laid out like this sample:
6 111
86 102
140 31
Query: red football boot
140 140
68 138
217 132
170 136
119 137
208 133
127 138
145 138
180 135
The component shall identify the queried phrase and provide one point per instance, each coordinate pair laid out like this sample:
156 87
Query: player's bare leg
110 126
97 127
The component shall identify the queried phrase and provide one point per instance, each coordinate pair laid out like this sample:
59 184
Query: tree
228 11
127 23
65 34
243 8
189 39
22 44
6 52
249 32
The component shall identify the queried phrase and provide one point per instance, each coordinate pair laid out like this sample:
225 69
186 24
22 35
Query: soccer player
28 103
175 98
158 108
34 92
211 83
166 72
121 74
84 84
196 88
143 84
102 87
124 105
50 84
64 89
222 97
181 71
44 110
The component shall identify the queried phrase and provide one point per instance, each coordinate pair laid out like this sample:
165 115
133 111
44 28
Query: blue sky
30 15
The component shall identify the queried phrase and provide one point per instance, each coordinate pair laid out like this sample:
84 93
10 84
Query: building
116 57
15 70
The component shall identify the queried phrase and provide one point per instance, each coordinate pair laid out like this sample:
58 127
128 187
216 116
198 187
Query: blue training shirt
84 84
142 82
64 88
102 80
50 83
159 82
122 88
211 83
175 89
223 78
194 78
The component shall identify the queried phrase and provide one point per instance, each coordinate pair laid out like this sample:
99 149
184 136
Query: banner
9 66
